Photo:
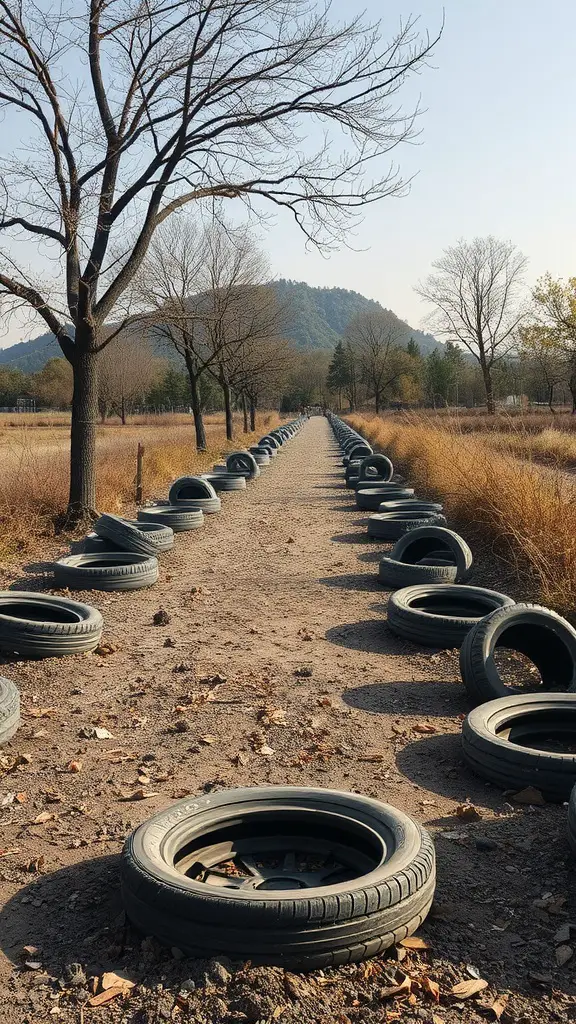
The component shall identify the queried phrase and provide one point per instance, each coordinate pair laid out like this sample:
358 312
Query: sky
496 153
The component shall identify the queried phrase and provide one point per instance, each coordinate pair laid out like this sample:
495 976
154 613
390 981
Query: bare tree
476 292
261 370
127 370
555 308
132 110
373 338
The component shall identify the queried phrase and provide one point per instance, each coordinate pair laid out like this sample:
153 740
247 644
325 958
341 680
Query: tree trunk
82 498
551 399
490 404
252 415
103 409
377 403
196 406
227 407
245 413
123 411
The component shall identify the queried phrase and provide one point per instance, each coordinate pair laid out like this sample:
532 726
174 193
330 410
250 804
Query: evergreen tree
338 372
413 349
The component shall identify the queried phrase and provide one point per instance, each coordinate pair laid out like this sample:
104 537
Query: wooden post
139 464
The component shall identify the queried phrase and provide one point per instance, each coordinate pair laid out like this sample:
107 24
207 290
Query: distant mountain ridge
317 318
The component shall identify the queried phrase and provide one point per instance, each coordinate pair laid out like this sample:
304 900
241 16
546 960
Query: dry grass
527 512
34 479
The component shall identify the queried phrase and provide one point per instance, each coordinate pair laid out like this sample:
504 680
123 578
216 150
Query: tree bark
490 404
252 415
227 407
123 410
199 427
551 399
245 413
82 497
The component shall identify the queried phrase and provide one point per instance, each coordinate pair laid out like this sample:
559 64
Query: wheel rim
278 850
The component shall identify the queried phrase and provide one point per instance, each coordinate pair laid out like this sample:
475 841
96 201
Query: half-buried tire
124 535
46 626
178 518
429 555
194 492
302 878
538 633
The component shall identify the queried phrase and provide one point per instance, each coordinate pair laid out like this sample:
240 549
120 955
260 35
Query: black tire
409 505
370 498
538 633
360 450
161 536
391 526
113 570
193 492
386 899
395 575
46 626
572 819
501 742
125 536
226 481
93 544
441 615
269 441
178 518
382 465
428 544
243 462
9 709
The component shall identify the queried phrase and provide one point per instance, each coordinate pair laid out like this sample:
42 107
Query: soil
273 607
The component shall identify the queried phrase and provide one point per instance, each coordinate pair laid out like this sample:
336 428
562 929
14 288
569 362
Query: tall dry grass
34 477
527 512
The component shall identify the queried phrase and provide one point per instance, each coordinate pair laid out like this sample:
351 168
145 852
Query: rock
74 975
255 1006
217 974
161 617
485 845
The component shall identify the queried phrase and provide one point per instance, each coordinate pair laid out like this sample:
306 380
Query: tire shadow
371 636
436 764
407 697
351 581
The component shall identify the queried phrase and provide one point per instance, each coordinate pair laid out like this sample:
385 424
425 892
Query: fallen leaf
74 766
208 739
140 794
467 812
265 750
107 996
89 732
104 649
9 851
277 1011
436 1019
424 727
110 979
498 1006
529 795
467 989
30 950
403 989
33 965
21 798
271 716
414 942
43 818
431 988
41 712
563 955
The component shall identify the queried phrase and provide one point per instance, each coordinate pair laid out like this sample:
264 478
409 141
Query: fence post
139 464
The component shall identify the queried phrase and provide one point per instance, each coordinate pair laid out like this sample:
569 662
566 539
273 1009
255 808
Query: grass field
34 459
525 511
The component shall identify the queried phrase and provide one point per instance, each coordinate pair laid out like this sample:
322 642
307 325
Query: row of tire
120 554
516 739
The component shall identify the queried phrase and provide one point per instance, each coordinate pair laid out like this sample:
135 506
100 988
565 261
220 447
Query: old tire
501 743
113 570
194 492
124 535
226 481
9 709
395 575
178 518
428 544
390 526
46 626
380 463
540 634
441 615
409 505
243 462
385 897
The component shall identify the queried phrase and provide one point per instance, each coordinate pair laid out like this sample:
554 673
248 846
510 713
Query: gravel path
275 616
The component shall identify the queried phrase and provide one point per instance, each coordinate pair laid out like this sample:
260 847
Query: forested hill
315 318
318 317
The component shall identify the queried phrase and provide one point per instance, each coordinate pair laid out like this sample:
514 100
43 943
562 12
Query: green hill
315 318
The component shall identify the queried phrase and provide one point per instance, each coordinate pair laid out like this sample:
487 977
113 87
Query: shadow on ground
351 581
408 697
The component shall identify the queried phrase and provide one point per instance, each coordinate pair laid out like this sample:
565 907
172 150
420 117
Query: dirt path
274 613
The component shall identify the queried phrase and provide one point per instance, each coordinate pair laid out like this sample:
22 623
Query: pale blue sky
496 154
